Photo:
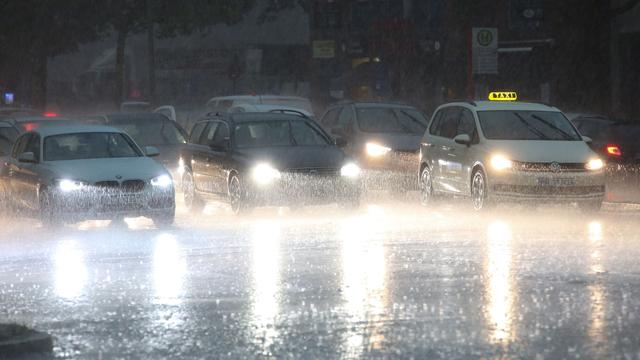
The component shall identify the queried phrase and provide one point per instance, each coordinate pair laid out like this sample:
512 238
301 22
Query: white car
73 173
495 151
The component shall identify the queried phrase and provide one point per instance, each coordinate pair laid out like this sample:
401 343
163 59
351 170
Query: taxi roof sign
503 96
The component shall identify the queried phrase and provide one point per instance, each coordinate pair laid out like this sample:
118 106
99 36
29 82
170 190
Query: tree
32 31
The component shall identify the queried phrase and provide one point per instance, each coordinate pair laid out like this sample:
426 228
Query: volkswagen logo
118 177
555 167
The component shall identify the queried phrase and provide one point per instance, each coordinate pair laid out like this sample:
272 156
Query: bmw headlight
66 185
162 181
376 150
264 174
594 164
350 170
499 162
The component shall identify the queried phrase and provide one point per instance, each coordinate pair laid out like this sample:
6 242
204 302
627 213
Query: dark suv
266 159
383 137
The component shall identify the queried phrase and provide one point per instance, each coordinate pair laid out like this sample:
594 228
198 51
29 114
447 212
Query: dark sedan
618 143
265 159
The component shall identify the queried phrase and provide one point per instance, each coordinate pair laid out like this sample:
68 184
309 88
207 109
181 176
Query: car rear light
30 126
50 114
613 150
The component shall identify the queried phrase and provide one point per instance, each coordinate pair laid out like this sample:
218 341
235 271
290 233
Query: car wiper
553 127
415 120
539 133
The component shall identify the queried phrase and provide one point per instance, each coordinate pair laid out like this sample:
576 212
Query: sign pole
470 85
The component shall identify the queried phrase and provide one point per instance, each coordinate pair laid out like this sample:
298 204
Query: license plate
547 181
120 200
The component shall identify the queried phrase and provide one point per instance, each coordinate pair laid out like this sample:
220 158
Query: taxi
505 150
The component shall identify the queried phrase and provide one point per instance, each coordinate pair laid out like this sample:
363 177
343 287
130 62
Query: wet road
389 281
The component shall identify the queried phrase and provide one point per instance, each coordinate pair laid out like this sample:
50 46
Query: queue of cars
260 155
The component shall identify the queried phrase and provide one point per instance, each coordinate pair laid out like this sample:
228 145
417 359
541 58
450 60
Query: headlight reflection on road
596 329
70 270
169 270
499 285
265 244
363 281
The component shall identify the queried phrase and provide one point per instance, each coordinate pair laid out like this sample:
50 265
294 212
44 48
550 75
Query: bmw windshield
96 145
526 125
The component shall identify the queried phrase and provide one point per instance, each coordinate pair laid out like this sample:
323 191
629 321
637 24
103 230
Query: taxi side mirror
587 139
462 139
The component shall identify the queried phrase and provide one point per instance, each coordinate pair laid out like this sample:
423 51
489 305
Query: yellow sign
503 96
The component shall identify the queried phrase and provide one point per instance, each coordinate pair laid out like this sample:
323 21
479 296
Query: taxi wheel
238 196
48 215
479 191
191 200
426 187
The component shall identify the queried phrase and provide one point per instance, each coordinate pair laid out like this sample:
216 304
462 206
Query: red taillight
614 150
50 114
30 126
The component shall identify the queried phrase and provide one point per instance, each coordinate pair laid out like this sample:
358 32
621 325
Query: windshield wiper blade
531 128
553 127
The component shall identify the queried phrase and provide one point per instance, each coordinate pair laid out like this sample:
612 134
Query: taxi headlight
67 185
499 162
162 181
376 150
594 164
264 174
350 170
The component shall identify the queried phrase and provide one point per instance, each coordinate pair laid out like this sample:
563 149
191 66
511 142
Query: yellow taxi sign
503 96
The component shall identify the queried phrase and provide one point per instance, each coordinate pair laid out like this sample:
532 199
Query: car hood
542 151
294 157
93 170
399 142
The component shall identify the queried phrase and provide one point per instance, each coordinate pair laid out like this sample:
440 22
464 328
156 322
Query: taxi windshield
526 125
278 133
96 145
387 120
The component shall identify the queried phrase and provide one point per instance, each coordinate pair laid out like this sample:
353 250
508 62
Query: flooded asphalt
391 280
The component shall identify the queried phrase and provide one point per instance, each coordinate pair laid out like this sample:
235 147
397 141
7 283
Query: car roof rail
289 111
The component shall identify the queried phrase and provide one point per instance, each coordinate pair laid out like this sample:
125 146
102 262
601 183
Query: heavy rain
319 179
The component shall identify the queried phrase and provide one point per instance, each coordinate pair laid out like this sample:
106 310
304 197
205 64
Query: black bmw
266 159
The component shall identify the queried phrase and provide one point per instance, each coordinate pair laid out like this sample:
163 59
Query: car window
33 145
466 124
345 118
196 132
449 126
526 125
434 129
88 146
221 133
305 135
264 133
388 120
20 145
8 136
209 133
413 121
330 119
596 130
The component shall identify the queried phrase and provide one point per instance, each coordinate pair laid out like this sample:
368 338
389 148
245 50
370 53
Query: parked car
72 173
383 137
266 159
